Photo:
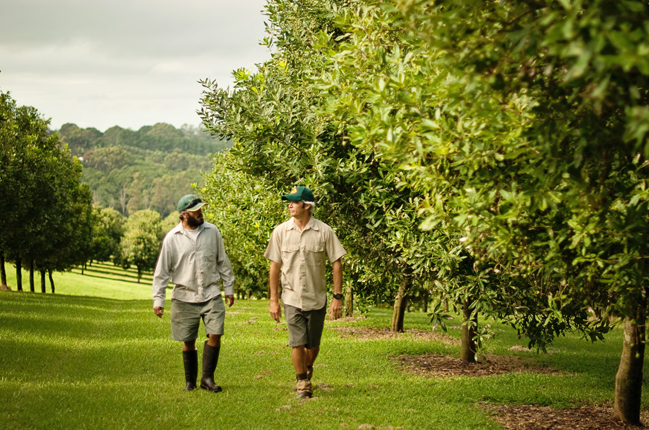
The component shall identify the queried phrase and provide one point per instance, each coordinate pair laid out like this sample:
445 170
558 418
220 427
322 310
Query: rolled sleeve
162 275
225 268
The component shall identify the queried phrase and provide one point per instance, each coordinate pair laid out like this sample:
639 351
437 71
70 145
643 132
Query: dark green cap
190 203
300 193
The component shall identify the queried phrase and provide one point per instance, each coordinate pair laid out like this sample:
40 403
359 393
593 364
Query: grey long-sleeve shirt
196 267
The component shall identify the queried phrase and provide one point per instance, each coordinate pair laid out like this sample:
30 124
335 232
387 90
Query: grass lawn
94 356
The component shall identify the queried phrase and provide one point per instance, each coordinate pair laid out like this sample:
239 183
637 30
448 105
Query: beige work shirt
303 255
196 265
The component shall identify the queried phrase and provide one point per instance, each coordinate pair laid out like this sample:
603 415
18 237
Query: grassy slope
94 356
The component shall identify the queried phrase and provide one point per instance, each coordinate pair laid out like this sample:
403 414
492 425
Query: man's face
194 218
297 209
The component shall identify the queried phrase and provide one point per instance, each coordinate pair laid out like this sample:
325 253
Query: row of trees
161 137
49 223
46 210
492 153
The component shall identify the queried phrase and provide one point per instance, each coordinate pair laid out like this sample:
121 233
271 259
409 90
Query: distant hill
150 168
160 137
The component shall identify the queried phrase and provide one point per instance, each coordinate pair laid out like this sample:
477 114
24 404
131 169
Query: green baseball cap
190 203
299 194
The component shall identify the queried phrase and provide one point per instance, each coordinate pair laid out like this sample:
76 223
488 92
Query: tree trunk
628 381
31 276
425 297
19 275
51 281
43 290
467 347
139 275
400 305
3 272
349 302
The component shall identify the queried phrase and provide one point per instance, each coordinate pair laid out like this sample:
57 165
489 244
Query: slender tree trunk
467 347
628 381
19 275
425 297
400 305
139 275
31 276
349 302
43 290
51 281
3 272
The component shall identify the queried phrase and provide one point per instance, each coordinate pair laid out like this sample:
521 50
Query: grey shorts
304 327
186 317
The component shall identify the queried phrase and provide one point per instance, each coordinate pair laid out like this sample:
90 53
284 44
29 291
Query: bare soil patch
529 417
370 333
442 366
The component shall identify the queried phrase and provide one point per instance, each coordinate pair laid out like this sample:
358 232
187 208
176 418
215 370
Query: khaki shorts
304 327
186 317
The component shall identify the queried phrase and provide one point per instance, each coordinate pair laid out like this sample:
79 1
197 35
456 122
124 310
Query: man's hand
275 310
336 309
158 310
230 300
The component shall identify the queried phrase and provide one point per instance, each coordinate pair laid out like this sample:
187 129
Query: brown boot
190 361
210 360
304 389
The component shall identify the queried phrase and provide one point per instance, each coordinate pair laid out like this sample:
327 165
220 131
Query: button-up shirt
303 255
195 266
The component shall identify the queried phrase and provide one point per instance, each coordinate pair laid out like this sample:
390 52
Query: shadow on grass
130 281
122 273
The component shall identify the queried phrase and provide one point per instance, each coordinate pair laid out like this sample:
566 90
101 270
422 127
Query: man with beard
193 254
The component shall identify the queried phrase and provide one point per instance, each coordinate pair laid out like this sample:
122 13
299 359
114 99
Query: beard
194 222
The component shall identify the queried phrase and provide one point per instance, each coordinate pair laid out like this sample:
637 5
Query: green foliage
522 127
46 210
143 234
160 137
107 233
281 139
245 209
145 169
169 222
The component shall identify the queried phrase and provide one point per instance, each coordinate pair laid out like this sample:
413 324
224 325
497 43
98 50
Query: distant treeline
161 137
145 169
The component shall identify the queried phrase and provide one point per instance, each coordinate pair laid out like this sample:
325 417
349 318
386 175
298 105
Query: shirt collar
180 229
310 225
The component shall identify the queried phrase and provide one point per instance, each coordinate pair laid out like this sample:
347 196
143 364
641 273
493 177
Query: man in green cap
298 250
193 254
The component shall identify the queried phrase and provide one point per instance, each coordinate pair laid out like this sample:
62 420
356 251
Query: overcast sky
99 63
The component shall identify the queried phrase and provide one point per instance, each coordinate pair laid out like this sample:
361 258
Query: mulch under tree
520 417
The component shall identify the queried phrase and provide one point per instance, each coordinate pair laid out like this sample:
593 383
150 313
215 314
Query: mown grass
95 356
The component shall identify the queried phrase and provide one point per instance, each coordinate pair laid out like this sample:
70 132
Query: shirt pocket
290 255
314 255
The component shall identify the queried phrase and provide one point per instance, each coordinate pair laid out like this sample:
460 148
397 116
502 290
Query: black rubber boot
210 360
190 360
